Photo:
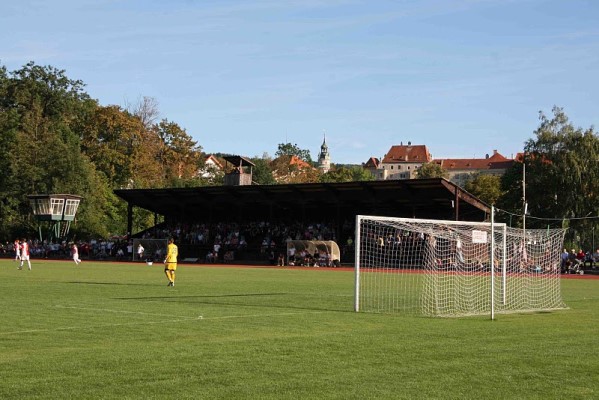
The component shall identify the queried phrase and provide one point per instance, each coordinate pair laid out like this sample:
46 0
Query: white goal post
444 268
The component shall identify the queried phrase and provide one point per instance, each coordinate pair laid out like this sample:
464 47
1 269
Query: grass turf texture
108 330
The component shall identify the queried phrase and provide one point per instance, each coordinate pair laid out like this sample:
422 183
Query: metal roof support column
303 212
129 220
456 204
338 223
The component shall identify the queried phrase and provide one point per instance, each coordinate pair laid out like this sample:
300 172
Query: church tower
324 158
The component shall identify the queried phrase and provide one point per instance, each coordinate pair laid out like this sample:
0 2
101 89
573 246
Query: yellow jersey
171 253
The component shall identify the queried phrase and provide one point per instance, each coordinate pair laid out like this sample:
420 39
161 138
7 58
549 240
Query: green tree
287 169
485 187
111 139
180 154
288 149
353 173
9 187
561 175
41 110
431 170
262 172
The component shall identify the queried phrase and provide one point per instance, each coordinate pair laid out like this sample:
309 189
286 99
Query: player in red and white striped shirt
17 248
25 254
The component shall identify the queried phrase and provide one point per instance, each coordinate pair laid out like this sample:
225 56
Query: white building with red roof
403 162
460 170
400 162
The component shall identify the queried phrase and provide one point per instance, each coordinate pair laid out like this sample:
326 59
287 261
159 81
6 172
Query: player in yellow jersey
170 262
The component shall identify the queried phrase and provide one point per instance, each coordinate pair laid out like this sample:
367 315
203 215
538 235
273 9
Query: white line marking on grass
119 311
264 315
182 319
88 327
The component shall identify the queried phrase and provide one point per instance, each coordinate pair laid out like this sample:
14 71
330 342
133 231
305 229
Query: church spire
324 158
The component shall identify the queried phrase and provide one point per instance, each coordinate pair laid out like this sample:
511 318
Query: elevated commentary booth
56 211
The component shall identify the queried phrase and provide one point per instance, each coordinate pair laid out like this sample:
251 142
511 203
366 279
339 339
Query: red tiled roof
409 153
214 160
295 160
372 162
496 161
291 161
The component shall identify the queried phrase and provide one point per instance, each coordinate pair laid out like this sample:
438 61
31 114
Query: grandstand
333 204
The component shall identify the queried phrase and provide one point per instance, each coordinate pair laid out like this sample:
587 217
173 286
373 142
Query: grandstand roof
420 198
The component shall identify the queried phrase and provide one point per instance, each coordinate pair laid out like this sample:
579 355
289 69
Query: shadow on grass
110 283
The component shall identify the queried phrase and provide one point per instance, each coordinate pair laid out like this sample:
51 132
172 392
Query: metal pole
357 265
492 262
504 265
525 206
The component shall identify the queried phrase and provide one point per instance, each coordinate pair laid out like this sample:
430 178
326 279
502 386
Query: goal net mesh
443 268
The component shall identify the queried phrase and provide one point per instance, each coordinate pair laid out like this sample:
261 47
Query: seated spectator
211 257
229 256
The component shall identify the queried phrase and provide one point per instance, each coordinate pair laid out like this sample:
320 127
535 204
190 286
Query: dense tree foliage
55 139
485 187
561 171
353 173
431 170
287 169
288 149
262 173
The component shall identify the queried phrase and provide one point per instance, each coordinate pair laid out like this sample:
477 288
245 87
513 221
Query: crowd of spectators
574 262
256 241
227 242
214 243
96 249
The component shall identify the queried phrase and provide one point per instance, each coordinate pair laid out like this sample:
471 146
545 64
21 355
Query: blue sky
463 77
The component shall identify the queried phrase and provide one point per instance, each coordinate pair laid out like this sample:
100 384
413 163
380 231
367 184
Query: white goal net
443 268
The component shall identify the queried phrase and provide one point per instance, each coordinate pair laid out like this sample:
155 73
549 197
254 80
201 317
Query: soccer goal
455 268
154 249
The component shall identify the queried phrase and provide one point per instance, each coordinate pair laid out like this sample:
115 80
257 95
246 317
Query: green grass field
116 331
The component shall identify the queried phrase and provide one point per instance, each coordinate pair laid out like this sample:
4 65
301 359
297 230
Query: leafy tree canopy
288 149
560 169
346 174
431 170
485 187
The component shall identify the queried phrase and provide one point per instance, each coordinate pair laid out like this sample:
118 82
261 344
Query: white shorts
25 258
